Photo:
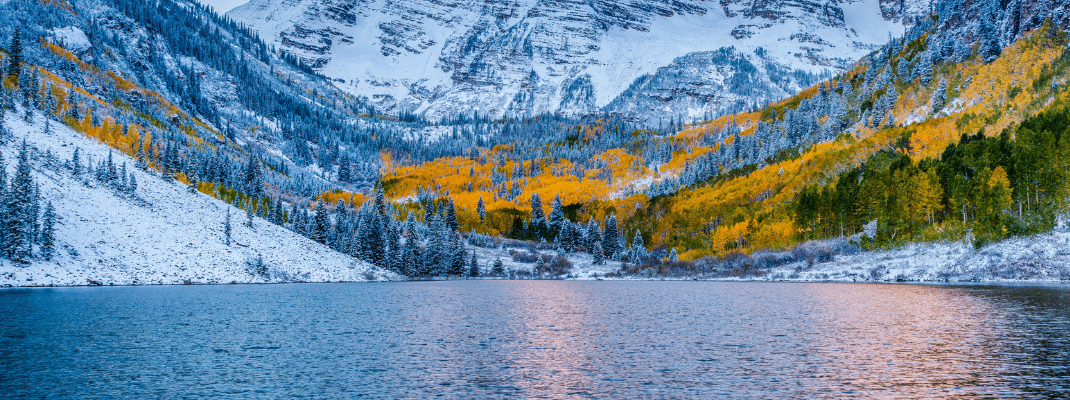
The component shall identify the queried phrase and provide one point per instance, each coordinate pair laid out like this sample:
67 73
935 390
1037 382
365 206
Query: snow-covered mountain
522 57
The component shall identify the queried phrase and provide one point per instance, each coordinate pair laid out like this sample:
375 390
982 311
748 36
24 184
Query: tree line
989 187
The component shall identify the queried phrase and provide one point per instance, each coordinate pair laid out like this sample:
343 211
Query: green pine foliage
984 187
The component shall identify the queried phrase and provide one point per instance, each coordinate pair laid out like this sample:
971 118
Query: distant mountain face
520 57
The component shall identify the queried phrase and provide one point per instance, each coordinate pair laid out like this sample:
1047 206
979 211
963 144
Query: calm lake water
536 339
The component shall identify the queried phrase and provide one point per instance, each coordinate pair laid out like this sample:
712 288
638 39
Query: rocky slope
525 57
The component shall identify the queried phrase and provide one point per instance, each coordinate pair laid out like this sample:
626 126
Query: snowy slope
532 56
163 236
1044 257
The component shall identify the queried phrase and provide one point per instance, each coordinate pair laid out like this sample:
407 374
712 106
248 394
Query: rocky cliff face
523 57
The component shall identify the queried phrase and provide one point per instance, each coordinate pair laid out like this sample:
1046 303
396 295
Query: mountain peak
443 58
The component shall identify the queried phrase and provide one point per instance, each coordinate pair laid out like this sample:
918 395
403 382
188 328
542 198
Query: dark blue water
541 339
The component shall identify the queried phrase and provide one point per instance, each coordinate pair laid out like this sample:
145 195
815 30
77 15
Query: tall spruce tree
610 240
320 225
597 252
451 216
5 134
249 212
5 210
344 173
592 236
253 178
48 233
638 248
473 266
482 210
14 58
21 219
989 48
227 229
537 214
940 96
412 250
557 214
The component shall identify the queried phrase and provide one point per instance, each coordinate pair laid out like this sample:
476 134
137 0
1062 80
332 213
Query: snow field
165 235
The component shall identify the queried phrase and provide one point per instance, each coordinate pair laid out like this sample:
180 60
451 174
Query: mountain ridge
531 57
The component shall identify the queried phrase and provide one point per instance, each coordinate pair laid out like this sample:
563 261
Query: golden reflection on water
921 341
733 340
554 326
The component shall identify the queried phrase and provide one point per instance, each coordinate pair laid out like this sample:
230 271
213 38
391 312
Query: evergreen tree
132 184
940 96
48 233
925 68
429 210
989 48
610 239
35 211
253 178
638 248
21 220
72 111
499 268
557 214
6 210
226 228
1014 17
451 216
110 174
567 237
320 225
592 236
597 252
193 184
473 266
412 251
5 134
14 58
249 213
344 173
673 257
380 199
537 214
482 210
457 255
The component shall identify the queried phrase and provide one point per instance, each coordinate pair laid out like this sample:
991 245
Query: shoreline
997 282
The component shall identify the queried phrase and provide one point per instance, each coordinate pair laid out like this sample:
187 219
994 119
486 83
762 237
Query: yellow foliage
984 96
350 199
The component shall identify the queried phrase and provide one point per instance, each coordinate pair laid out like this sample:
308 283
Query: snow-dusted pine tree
610 237
473 266
482 210
48 233
227 228
638 248
499 268
537 214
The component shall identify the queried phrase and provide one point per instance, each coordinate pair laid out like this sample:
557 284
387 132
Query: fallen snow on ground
583 266
165 235
1039 258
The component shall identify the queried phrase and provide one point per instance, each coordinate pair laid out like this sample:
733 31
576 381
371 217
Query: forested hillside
953 133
